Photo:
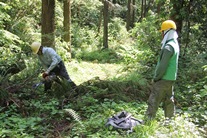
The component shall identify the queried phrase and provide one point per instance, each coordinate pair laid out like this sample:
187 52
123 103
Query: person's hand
44 75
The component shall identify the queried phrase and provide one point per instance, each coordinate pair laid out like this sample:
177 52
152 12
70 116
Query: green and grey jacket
167 65
49 58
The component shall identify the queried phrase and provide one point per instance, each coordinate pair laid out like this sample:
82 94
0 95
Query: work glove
44 75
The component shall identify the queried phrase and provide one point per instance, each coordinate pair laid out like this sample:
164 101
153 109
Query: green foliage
13 124
197 94
146 130
14 24
125 70
10 52
4 16
62 48
74 115
174 128
146 33
101 56
97 115
86 12
192 79
117 30
84 38
18 20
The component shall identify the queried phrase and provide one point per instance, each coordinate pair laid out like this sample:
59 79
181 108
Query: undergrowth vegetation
109 80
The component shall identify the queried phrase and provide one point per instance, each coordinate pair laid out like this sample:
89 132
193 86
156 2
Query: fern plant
75 116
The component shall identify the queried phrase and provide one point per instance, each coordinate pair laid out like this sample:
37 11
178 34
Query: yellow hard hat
168 24
35 46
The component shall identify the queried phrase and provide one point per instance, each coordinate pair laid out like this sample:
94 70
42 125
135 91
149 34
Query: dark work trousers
59 70
162 91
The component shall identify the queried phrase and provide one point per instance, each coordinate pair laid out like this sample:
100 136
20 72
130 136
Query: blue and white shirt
49 58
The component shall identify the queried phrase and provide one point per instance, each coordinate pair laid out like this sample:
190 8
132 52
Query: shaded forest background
110 49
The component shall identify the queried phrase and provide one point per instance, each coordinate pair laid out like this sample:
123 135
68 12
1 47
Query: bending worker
52 63
165 73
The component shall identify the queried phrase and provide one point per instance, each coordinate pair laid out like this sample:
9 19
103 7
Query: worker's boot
47 86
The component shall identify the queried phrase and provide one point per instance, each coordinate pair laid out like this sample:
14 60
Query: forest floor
101 94
83 71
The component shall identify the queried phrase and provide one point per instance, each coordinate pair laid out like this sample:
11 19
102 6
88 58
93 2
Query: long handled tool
46 79
35 86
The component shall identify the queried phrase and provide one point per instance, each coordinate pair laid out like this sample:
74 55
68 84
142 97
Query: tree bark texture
67 23
106 16
133 13
175 16
100 20
187 39
149 6
128 22
142 10
48 23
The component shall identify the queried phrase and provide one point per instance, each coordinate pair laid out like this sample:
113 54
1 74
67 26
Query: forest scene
110 49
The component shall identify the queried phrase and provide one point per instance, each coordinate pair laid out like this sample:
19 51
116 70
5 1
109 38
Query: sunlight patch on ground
83 71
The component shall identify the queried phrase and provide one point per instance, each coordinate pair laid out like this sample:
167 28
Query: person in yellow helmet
165 73
52 64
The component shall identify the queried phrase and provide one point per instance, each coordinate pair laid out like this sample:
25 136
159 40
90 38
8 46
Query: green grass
96 112
105 89
82 71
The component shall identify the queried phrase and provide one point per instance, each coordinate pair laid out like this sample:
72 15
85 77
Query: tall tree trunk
67 23
48 23
133 13
177 7
188 28
128 22
106 16
142 10
150 3
100 21
159 7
